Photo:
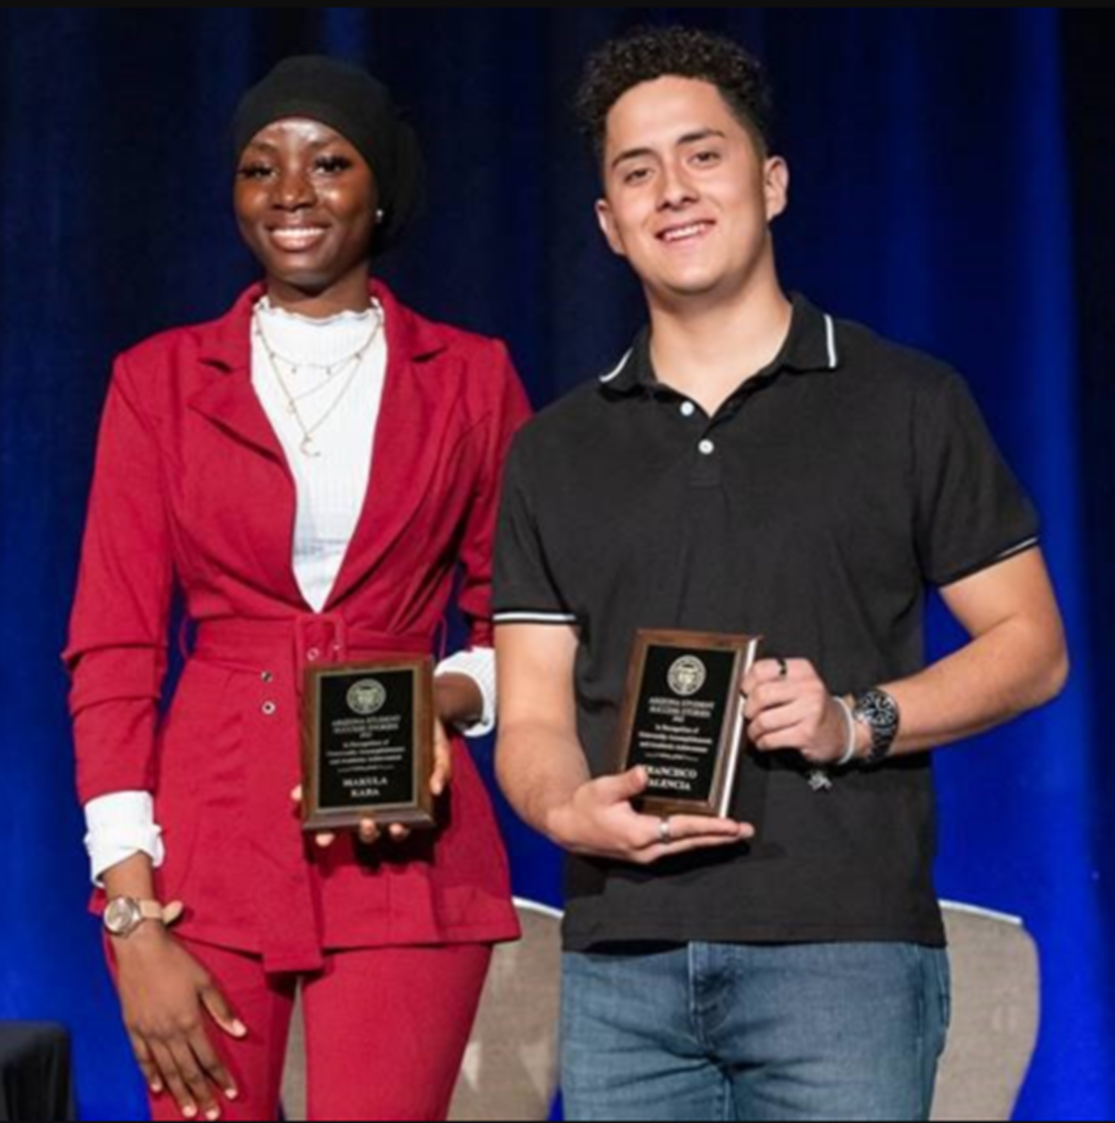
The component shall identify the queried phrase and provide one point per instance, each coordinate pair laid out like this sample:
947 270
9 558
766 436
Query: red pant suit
191 488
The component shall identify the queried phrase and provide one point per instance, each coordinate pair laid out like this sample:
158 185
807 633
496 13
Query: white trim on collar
830 333
618 370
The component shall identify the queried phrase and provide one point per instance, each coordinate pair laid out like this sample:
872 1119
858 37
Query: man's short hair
646 54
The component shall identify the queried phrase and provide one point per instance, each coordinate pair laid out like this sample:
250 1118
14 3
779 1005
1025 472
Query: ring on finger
665 831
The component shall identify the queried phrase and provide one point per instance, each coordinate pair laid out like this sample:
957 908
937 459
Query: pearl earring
380 216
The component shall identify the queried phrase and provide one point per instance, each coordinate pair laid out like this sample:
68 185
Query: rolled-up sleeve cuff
118 827
479 664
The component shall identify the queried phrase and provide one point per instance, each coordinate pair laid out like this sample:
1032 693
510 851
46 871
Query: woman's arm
116 658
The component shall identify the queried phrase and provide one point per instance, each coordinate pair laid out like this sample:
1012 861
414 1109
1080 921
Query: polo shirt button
688 409
313 655
707 448
270 709
267 676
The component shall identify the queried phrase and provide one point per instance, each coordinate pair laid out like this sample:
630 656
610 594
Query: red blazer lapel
229 400
409 439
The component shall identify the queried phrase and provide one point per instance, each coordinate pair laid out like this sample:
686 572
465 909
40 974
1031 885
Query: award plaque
683 719
367 744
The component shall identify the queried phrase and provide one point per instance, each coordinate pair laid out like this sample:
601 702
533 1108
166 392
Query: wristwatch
125 914
879 712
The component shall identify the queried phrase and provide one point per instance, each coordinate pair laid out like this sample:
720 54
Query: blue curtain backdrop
952 174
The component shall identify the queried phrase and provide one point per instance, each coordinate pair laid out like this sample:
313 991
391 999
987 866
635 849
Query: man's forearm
539 769
998 676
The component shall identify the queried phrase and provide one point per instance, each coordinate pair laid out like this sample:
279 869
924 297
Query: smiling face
688 193
305 202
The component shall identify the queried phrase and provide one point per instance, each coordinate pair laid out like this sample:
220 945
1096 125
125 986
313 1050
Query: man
752 466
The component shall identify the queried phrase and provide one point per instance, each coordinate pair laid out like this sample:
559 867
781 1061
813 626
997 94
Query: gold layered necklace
333 377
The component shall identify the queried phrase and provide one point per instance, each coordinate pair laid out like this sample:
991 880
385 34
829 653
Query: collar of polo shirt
810 348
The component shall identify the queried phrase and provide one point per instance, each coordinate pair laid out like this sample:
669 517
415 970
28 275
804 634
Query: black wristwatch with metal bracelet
879 712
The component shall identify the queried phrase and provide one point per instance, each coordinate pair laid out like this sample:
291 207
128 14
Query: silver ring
665 832
783 667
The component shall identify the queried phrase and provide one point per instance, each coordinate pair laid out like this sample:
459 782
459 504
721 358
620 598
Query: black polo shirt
814 509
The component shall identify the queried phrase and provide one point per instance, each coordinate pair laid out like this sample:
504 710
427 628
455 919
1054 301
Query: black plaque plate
367 744
683 719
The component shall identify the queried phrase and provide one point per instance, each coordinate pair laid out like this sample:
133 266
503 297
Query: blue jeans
727 1032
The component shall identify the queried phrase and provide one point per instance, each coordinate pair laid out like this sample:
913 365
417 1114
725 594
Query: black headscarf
350 100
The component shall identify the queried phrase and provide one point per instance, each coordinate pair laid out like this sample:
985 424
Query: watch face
880 711
879 708
875 709
121 915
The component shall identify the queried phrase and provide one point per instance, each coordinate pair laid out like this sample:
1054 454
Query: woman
233 464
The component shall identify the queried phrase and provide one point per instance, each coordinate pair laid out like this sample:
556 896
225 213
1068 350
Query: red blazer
191 489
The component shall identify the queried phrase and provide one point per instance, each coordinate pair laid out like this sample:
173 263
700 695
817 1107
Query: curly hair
684 52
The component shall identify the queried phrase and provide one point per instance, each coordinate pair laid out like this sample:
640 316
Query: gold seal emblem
367 697
687 676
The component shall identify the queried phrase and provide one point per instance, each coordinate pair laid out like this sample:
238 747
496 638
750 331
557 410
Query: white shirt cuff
119 826
479 664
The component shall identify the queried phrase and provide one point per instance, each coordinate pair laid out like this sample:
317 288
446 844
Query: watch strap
166 914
